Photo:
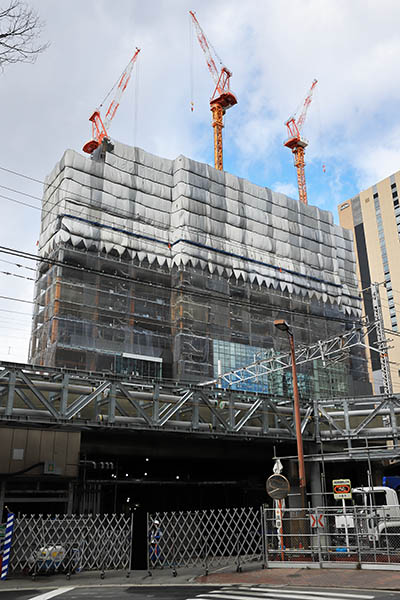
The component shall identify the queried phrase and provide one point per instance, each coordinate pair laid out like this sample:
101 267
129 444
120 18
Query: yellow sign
342 489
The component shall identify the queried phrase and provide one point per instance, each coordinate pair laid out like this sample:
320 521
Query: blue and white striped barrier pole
7 545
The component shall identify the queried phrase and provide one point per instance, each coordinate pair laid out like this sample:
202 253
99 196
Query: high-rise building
374 217
171 268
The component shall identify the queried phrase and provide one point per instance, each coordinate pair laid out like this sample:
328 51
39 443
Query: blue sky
275 49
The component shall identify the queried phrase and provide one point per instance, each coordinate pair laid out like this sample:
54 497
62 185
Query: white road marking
333 594
251 593
53 593
221 596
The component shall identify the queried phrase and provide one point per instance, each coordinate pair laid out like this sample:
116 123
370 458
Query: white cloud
285 188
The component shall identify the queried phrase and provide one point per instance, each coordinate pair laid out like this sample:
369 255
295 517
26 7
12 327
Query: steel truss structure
62 396
352 419
332 349
57 396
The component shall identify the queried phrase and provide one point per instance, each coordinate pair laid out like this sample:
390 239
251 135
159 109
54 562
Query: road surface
186 592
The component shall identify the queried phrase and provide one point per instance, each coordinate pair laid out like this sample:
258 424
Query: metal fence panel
71 544
358 535
204 538
289 536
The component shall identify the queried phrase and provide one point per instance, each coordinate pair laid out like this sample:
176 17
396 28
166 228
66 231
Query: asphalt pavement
194 592
253 583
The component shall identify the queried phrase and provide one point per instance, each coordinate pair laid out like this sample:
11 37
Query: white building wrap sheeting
181 211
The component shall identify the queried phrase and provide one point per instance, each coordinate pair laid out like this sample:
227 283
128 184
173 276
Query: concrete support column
317 498
70 498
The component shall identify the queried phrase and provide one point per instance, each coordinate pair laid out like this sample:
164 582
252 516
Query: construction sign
317 521
342 489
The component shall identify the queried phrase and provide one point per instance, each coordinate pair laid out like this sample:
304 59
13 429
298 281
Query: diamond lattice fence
204 538
71 543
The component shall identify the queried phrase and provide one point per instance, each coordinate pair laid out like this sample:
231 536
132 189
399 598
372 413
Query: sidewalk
295 577
345 578
92 578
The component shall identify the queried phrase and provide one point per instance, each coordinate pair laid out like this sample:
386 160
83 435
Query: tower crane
222 98
99 127
297 144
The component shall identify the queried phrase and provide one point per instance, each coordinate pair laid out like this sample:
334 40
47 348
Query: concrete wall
21 448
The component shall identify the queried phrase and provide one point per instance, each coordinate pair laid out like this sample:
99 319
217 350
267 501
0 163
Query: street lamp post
282 325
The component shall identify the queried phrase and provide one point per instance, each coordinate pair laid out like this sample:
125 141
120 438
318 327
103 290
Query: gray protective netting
180 212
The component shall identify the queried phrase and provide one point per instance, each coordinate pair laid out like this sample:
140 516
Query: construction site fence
329 536
71 544
366 537
205 539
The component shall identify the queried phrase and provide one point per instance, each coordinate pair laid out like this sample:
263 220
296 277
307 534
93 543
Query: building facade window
320 379
385 260
396 207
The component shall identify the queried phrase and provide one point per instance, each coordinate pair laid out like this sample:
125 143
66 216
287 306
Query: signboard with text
342 489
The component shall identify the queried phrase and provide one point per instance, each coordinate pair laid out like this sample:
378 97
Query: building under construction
172 269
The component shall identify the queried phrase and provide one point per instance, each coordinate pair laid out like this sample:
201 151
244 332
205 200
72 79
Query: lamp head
282 325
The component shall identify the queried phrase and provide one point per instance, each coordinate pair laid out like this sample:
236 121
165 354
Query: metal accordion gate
314 538
71 544
204 538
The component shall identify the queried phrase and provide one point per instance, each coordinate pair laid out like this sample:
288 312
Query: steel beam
56 396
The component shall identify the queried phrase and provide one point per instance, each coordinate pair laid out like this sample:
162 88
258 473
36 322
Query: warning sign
342 489
317 521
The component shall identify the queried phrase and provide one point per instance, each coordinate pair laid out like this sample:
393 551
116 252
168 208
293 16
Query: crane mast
100 127
297 143
222 98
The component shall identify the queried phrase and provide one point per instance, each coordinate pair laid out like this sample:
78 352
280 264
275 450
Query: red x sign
317 520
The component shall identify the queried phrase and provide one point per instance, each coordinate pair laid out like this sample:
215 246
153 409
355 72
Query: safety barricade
71 544
204 538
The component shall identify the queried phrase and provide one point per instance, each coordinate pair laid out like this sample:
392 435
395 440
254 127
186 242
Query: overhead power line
182 289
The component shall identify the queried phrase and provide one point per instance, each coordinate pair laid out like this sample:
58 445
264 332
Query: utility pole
282 325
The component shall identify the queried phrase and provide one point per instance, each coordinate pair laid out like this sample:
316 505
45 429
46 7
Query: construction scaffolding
172 269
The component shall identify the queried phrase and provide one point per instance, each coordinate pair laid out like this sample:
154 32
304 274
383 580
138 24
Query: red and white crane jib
121 87
100 128
220 77
306 104
222 98
295 127
206 47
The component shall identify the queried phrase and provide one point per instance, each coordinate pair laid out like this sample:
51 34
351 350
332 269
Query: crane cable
136 91
191 65
319 121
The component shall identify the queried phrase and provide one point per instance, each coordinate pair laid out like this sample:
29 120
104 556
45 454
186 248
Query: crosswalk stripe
277 593
52 593
226 596
291 590
272 595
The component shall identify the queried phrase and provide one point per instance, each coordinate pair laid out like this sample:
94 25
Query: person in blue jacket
155 536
